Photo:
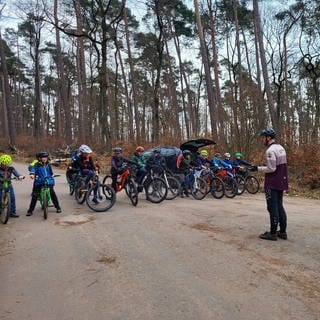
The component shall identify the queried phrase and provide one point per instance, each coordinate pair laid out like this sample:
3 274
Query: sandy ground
181 259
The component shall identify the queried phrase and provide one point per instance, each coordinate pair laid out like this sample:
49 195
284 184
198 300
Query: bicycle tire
241 184
217 188
45 205
105 195
230 187
156 189
79 194
252 184
174 188
5 207
132 191
198 188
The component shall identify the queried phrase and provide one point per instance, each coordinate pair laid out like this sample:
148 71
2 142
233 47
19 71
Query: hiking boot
14 215
29 213
268 236
58 210
282 235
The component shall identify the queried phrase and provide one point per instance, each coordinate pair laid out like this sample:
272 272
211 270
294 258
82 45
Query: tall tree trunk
206 64
63 104
256 14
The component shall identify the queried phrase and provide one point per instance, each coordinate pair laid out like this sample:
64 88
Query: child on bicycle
139 158
118 165
6 172
39 172
185 171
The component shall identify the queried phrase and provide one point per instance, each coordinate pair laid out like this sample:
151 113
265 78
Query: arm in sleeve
271 164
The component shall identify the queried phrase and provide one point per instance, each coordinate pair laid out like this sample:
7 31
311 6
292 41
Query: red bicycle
125 181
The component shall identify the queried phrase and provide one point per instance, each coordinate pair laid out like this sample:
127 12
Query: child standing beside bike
39 172
6 172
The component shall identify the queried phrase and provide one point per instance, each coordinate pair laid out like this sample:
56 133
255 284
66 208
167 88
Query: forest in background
152 72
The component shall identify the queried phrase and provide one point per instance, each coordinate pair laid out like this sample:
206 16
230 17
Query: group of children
39 170
82 162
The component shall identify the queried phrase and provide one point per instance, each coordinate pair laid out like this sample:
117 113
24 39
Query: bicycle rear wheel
217 188
156 189
198 188
132 191
100 198
174 188
5 205
80 193
252 184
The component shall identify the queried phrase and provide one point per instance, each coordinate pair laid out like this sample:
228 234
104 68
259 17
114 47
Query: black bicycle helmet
157 150
268 132
117 150
186 152
42 154
218 155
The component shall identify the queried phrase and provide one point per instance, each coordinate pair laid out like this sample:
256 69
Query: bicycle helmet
238 155
85 149
5 160
117 150
156 150
42 154
204 153
186 152
218 155
227 155
268 132
140 149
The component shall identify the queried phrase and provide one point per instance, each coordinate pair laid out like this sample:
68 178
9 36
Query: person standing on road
276 181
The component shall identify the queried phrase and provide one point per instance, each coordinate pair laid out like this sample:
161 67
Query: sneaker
29 213
14 215
282 235
95 201
140 188
268 236
58 210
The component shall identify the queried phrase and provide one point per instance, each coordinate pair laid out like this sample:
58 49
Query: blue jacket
42 171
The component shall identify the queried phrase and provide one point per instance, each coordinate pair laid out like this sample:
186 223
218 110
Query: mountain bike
5 199
230 183
250 182
215 184
125 181
198 186
45 196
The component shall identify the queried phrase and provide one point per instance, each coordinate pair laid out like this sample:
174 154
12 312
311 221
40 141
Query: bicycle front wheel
252 184
174 188
80 192
5 205
156 189
217 188
132 191
230 187
100 198
45 204
199 188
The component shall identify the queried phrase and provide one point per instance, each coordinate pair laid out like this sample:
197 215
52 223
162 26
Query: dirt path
182 259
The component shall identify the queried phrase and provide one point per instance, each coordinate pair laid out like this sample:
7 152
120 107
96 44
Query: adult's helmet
204 153
227 155
157 150
238 155
268 132
5 160
186 152
42 154
85 149
140 149
117 150
218 155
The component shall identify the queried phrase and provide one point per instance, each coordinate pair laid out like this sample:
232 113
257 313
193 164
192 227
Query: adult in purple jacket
276 181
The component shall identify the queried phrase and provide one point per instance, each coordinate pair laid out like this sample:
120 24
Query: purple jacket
276 169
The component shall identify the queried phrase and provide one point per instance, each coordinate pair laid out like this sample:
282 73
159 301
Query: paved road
183 259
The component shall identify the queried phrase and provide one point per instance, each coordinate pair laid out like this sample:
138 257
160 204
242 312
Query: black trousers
36 194
276 210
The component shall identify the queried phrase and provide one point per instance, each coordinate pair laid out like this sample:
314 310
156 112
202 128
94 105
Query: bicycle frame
123 179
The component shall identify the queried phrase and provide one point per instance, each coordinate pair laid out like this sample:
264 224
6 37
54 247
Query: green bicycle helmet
5 160
238 155
204 153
